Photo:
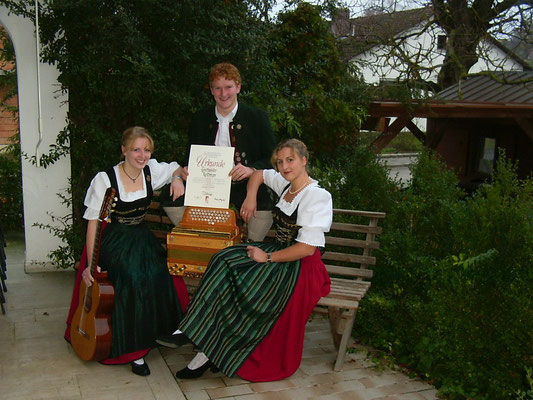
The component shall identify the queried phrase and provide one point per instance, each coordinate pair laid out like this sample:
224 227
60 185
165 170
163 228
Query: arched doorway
40 185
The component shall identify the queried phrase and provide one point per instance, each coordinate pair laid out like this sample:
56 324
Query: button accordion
200 234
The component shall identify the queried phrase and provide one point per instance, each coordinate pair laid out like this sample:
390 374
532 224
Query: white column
40 185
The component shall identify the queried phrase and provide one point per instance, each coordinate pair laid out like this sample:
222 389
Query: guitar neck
107 204
96 247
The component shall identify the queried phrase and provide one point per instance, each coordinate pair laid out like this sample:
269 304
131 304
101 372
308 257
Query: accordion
200 234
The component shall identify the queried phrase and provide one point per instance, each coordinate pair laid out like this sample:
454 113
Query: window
487 155
441 42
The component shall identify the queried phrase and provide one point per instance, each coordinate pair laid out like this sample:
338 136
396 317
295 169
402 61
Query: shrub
356 179
452 295
10 188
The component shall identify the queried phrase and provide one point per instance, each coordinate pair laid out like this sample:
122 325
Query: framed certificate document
209 183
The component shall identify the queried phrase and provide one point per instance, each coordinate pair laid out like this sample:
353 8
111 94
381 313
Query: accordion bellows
200 234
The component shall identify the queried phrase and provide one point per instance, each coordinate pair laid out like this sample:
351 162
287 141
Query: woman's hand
177 188
249 208
256 254
87 277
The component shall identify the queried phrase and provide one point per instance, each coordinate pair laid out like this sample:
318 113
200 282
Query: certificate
209 183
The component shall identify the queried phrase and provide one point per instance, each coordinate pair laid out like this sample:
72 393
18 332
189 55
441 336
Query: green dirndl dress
146 305
239 300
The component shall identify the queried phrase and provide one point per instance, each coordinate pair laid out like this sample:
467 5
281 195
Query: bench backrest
349 243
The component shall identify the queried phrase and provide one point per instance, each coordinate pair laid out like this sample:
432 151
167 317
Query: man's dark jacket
254 142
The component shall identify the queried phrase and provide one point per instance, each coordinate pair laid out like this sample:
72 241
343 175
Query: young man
243 127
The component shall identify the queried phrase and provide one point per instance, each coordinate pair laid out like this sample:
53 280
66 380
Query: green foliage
356 179
452 293
10 188
67 254
404 142
313 85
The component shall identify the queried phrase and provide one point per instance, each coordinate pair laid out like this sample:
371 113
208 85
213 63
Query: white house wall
40 185
377 64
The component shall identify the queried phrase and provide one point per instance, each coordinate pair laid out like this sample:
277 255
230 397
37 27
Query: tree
466 23
321 100
143 63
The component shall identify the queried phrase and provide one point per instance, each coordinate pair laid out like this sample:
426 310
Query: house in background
408 45
467 123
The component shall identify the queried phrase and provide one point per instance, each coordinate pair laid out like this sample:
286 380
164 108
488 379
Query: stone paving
37 363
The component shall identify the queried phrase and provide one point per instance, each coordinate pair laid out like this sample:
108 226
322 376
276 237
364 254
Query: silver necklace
304 185
133 179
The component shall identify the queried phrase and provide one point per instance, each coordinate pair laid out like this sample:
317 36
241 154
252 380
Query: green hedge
10 189
452 296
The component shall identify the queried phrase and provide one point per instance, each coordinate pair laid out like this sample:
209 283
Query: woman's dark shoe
140 369
172 341
187 373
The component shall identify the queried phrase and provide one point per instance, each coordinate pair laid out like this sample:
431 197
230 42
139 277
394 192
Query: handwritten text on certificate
208 183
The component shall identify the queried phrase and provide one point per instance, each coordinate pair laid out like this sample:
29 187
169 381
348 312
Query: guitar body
90 332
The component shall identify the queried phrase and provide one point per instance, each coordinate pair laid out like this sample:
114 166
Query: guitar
90 331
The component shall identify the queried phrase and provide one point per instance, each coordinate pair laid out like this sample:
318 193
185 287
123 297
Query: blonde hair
224 70
136 132
297 147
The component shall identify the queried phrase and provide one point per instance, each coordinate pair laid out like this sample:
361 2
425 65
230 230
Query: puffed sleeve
161 172
315 214
274 180
95 195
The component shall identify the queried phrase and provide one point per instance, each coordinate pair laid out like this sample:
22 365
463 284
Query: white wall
381 63
39 185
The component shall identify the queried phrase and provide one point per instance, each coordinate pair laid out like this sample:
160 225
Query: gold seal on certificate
209 183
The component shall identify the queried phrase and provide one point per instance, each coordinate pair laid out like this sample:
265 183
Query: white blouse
315 208
161 174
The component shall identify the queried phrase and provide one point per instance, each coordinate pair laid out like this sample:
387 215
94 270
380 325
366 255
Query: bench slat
348 271
345 227
159 219
348 242
350 283
339 303
353 258
360 213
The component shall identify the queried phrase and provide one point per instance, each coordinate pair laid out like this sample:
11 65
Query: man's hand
240 172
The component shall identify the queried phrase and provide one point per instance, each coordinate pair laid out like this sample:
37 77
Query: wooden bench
348 258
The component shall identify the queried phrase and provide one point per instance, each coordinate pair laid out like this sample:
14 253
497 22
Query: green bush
10 189
452 294
356 179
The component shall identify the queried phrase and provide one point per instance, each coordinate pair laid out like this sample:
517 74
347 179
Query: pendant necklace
301 188
133 179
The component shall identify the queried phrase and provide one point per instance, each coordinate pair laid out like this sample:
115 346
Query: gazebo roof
494 95
504 95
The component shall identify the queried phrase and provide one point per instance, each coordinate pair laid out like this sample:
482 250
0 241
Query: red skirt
279 354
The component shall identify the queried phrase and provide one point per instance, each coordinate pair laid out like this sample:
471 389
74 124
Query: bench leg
346 334
334 315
